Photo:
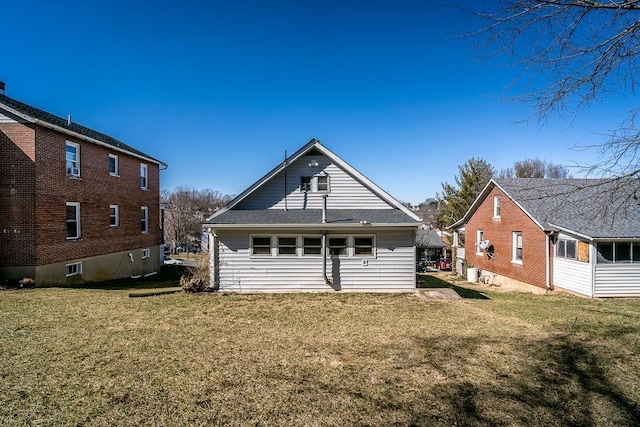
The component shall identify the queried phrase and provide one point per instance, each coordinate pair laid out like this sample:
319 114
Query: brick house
76 205
582 235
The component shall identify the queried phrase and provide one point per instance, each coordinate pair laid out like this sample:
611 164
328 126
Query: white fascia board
572 232
79 136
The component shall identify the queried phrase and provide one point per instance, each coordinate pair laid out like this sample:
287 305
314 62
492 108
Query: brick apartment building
76 205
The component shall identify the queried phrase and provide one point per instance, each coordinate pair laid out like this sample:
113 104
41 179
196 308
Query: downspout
327 281
548 260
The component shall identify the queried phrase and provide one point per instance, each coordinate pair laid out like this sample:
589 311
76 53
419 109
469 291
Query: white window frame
479 238
72 167
145 253
144 176
73 269
318 246
317 183
252 245
347 246
116 165
76 205
278 246
305 186
562 248
515 247
497 201
373 245
116 216
144 219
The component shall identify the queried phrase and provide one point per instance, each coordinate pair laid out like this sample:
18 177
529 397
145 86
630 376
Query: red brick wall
17 195
499 233
95 191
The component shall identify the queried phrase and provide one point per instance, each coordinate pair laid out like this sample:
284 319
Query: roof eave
79 135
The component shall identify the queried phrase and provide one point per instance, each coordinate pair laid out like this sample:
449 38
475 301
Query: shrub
196 279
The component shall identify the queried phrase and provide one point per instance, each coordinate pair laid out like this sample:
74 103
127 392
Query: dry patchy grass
97 357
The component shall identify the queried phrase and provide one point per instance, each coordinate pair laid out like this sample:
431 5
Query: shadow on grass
167 277
568 377
430 281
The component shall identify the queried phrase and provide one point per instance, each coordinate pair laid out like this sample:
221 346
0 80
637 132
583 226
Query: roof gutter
80 136
363 226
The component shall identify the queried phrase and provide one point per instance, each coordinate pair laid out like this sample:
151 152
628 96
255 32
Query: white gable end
345 192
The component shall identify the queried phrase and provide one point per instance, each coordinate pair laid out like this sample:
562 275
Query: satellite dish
483 244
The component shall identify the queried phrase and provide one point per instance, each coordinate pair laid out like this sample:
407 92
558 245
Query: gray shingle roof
428 239
598 208
42 115
311 216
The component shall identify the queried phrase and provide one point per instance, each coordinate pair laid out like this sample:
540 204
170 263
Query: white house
313 223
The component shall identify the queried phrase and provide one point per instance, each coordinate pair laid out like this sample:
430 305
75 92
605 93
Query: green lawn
97 357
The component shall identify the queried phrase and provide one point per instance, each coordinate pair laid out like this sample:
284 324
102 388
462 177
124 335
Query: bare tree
534 168
575 52
186 209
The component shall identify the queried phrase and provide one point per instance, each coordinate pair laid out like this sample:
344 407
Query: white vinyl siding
572 275
617 280
391 270
345 192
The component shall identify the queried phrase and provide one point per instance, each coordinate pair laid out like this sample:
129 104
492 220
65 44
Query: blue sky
220 89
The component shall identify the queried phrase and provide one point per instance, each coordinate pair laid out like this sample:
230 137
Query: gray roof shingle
429 239
598 208
42 115
311 216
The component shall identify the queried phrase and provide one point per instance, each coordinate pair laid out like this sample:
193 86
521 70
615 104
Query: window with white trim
144 219
312 245
73 220
566 248
261 245
305 183
496 206
114 216
338 246
144 176
287 245
145 253
72 159
517 247
479 238
363 246
113 165
73 269
322 183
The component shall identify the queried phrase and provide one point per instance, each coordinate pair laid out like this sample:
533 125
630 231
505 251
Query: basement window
73 269
145 253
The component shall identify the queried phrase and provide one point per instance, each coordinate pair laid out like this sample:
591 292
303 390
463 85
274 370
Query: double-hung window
260 245
72 159
479 238
114 216
363 246
287 245
311 245
323 183
73 220
144 219
517 247
338 246
496 206
305 183
144 176
113 165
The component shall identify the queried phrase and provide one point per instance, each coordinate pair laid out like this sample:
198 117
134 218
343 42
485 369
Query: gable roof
37 116
591 208
225 215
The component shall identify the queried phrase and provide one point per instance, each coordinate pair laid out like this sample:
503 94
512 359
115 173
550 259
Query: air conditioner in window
483 244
